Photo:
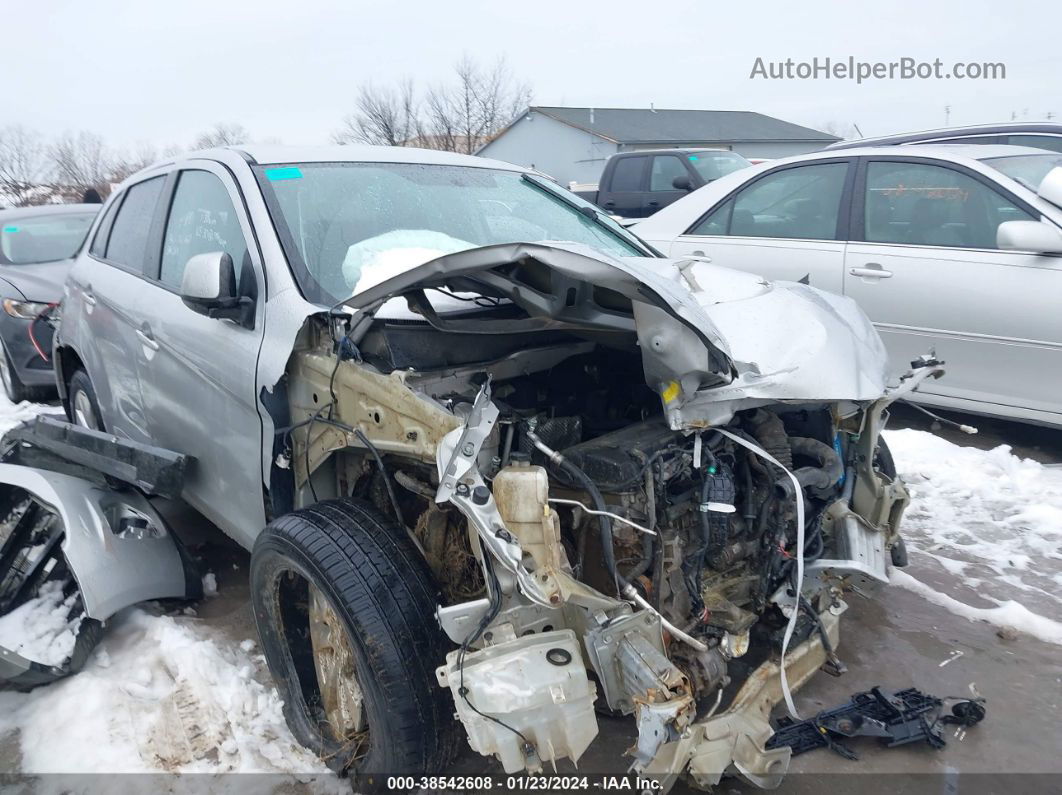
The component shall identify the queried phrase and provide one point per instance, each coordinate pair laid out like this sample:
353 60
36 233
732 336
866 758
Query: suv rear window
127 245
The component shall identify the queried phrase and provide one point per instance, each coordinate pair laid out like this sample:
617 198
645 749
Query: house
572 144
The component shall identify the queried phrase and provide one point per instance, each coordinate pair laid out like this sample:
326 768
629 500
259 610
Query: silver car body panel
112 570
959 301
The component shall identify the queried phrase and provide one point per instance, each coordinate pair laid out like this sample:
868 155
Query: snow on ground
160 694
11 414
988 521
40 630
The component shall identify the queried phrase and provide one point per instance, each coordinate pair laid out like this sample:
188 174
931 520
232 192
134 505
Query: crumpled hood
787 341
712 340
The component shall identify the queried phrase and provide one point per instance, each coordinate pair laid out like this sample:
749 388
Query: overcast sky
159 71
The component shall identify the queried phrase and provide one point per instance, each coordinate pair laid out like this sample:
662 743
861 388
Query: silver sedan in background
957 248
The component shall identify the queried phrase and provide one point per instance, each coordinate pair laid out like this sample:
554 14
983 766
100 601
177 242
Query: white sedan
955 248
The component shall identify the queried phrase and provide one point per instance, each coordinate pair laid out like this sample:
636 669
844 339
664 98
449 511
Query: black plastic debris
894 717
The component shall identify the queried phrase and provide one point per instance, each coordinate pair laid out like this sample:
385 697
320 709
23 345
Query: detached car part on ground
634 484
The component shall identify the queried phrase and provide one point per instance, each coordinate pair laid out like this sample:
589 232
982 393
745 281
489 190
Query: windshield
713 165
348 226
1029 170
43 238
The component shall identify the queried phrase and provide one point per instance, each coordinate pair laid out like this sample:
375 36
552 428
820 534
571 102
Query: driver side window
802 203
202 220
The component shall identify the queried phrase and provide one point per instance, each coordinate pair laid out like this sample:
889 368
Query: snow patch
1006 614
989 519
11 414
160 695
40 630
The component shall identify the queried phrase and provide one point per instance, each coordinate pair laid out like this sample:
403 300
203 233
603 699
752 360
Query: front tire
82 407
345 609
15 390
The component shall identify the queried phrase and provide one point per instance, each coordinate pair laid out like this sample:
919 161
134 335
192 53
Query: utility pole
947 114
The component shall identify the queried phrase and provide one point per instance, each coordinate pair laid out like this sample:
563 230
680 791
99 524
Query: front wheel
345 608
84 409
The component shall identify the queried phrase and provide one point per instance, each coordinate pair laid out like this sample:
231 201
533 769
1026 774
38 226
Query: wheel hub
333 657
83 413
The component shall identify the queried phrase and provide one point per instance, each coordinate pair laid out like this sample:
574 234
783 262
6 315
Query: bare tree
383 116
125 163
23 166
221 134
464 115
80 161
459 116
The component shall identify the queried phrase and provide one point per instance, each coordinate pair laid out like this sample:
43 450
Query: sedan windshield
42 238
348 226
1029 170
713 165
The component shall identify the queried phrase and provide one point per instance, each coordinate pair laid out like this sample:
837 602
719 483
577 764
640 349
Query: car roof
275 154
47 209
937 151
1005 128
278 154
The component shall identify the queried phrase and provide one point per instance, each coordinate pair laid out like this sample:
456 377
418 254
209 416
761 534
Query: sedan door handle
90 299
871 272
147 340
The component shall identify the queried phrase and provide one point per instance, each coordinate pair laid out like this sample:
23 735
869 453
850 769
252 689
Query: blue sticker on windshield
10 228
277 174
693 157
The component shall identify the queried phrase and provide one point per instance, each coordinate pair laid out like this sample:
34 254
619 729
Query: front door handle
147 340
872 271
654 204
90 298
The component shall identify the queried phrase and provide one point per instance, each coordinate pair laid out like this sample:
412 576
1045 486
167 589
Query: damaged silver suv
498 464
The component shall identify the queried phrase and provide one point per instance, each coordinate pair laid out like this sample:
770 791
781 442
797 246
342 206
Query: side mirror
208 287
682 183
1051 187
1034 236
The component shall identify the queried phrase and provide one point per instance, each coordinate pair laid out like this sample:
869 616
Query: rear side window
627 175
127 244
202 220
801 203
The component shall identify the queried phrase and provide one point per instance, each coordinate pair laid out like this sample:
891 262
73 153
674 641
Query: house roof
643 125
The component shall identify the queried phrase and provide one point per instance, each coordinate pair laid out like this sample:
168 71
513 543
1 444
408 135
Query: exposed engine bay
593 552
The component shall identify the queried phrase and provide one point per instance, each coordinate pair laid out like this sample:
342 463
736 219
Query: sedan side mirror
1051 187
1034 236
208 287
682 183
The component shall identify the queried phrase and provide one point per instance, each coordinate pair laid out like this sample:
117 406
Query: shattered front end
644 488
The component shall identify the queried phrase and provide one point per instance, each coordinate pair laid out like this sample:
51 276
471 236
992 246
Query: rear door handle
147 340
871 272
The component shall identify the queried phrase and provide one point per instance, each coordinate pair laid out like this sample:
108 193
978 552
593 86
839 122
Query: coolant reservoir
521 492
535 684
